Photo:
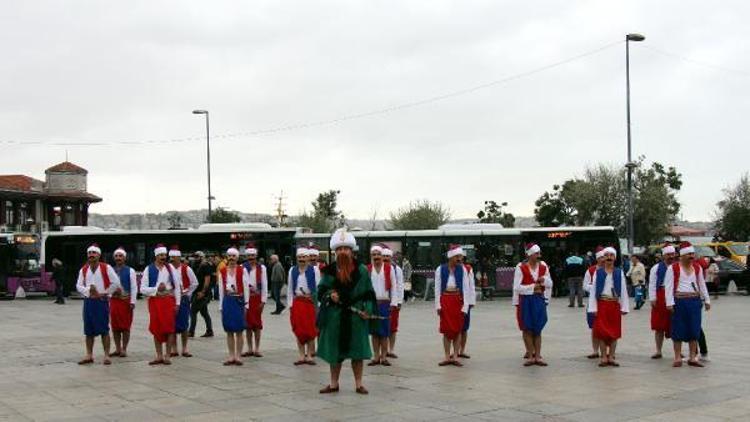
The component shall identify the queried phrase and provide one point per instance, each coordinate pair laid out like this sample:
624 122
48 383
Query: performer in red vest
234 297
96 282
661 318
383 279
608 300
301 296
452 302
187 282
396 311
686 294
163 292
588 281
122 304
257 283
532 286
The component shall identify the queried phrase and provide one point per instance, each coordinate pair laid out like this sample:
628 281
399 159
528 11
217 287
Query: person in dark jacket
59 279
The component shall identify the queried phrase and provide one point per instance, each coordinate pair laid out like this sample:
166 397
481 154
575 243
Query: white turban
531 250
302 252
120 251
94 248
233 252
340 238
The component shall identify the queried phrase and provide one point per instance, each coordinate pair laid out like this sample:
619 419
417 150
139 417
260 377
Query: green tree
600 198
325 216
175 219
223 215
420 215
557 208
494 213
733 214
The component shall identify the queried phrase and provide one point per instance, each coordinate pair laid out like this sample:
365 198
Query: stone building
62 199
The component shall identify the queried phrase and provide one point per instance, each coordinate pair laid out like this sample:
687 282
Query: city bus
490 248
69 245
20 265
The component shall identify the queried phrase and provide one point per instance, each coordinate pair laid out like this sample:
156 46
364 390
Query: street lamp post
208 159
630 165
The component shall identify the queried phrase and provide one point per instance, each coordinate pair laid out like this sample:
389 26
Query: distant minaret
280 212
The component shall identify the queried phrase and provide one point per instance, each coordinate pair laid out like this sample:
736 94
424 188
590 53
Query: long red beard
344 267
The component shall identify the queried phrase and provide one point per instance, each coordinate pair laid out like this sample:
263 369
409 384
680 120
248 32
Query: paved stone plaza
40 380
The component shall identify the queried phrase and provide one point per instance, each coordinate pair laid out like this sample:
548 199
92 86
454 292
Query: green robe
343 333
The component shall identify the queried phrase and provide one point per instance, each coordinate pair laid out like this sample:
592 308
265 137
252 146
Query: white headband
610 250
376 248
302 252
160 250
120 251
455 252
251 251
233 252
93 248
313 252
175 252
668 249
600 254
687 249
387 252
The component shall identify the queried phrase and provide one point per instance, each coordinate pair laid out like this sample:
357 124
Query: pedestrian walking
277 282
573 273
637 276
202 296
58 276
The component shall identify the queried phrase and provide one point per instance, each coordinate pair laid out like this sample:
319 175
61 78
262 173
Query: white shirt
652 281
133 293
378 284
689 283
162 278
399 282
451 284
608 291
232 287
253 284
472 289
178 279
588 280
528 289
94 278
303 287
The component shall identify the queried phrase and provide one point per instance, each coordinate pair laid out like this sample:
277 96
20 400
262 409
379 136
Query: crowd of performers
350 310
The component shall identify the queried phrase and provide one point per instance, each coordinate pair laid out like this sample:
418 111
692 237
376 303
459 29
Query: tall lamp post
208 159
630 165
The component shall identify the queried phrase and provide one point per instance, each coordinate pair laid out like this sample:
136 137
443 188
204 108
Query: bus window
423 257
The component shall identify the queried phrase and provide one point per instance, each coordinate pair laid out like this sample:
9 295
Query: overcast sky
93 71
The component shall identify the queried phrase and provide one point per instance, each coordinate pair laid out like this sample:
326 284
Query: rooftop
66 167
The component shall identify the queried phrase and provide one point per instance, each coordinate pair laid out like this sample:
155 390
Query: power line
696 62
326 122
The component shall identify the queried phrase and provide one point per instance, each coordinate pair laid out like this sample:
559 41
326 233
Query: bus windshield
25 254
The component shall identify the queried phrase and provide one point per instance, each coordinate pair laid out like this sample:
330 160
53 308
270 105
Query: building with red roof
62 199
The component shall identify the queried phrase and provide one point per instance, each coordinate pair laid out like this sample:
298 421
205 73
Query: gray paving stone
40 380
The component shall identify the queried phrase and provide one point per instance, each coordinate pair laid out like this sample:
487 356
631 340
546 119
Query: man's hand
438 312
623 313
653 303
93 293
132 306
262 305
670 308
708 306
335 296
200 295
177 309
363 315
117 292
161 288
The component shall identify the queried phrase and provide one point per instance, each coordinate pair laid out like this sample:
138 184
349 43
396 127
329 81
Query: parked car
732 271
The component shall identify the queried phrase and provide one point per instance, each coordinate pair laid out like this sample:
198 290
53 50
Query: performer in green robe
346 303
